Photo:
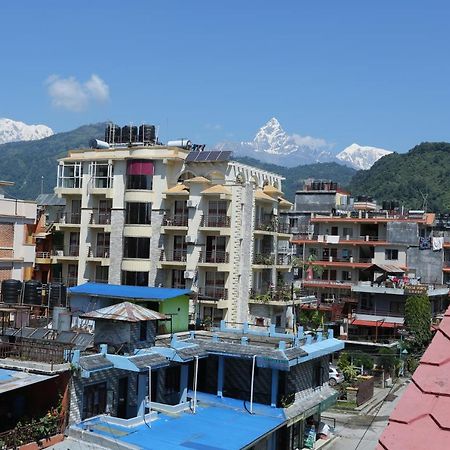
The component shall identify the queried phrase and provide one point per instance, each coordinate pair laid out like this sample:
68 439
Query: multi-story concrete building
155 215
365 262
17 248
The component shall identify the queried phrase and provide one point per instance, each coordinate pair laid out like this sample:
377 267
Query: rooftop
421 420
128 292
15 379
126 312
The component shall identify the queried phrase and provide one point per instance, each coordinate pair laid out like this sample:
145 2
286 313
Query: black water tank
32 293
57 294
129 134
147 133
11 291
113 134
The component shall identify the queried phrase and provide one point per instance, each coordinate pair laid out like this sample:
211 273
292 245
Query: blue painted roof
128 292
213 427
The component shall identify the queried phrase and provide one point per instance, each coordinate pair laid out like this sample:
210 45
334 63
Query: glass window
138 213
136 247
94 400
134 278
143 331
391 254
70 175
101 274
101 173
140 174
178 280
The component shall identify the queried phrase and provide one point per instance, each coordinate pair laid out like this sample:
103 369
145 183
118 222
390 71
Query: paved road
351 427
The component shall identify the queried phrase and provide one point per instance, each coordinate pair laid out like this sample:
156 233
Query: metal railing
220 221
267 224
380 312
100 218
214 292
177 220
43 255
214 256
179 255
343 238
284 260
284 228
71 250
51 353
266 259
70 218
98 252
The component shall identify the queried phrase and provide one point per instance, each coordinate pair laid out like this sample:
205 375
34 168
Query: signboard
418 289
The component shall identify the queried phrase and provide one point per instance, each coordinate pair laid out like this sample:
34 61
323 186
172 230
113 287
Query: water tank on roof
57 294
113 134
147 133
129 134
32 294
11 291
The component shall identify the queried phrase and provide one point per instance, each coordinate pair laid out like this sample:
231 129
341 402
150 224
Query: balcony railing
284 260
268 294
314 238
214 292
265 259
267 224
70 218
380 312
178 255
284 228
100 218
71 250
177 220
42 255
51 352
214 256
219 221
98 252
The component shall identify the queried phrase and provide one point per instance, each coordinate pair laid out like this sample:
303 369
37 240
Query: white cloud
311 142
69 93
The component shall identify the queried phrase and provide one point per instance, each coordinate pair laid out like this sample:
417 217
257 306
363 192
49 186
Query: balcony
400 288
100 218
177 220
213 292
343 240
43 258
284 260
284 228
266 224
98 252
264 259
215 221
177 255
214 257
328 284
70 218
269 295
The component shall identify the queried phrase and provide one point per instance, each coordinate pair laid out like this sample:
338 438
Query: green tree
387 359
418 321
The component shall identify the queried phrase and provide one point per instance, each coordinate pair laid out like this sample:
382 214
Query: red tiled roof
421 420
376 323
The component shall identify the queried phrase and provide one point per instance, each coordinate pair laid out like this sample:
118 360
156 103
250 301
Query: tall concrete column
116 245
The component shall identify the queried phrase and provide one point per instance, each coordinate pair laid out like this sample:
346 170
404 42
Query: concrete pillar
142 391
220 376
274 389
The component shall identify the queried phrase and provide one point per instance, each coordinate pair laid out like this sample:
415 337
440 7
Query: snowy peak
13 131
361 157
271 138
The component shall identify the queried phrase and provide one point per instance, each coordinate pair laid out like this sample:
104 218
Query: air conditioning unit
189 274
190 240
191 204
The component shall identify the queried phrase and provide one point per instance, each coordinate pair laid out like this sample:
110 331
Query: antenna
42 184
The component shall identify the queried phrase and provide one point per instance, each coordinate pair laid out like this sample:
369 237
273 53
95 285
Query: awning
260 195
178 189
388 268
375 323
216 190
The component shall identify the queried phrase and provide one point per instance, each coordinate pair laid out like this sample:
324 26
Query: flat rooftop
15 379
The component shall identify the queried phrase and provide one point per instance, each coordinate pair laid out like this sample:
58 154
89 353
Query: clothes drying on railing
424 243
437 243
330 239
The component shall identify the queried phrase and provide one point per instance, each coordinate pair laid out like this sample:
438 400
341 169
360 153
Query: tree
418 321
388 359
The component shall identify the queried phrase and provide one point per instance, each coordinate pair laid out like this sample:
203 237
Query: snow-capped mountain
361 157
12 131
272 144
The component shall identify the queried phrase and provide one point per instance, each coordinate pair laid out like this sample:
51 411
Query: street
350 427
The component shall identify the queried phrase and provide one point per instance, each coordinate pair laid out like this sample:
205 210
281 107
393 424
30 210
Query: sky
376 73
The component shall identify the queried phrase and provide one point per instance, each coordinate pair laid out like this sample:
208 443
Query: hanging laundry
320 238
437 243
424 243
330 239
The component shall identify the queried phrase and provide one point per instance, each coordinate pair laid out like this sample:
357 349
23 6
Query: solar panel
214 156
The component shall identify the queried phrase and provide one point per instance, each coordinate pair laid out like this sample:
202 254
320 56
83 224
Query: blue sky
376 73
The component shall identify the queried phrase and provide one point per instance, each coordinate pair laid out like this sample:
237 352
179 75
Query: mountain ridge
15 131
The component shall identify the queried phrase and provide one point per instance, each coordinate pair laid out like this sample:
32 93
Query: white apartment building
160 215
17 248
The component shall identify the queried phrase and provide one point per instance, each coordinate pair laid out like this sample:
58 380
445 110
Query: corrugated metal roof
95 362
50 200
128 292
125 311
389 268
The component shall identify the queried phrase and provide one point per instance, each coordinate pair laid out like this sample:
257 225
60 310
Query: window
101 173
391 254
101 274
346 275
347 232
136 247
140 174
178 280
72 274
138 213
172 380
102 249
134 278
143 330
70 175
317 375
